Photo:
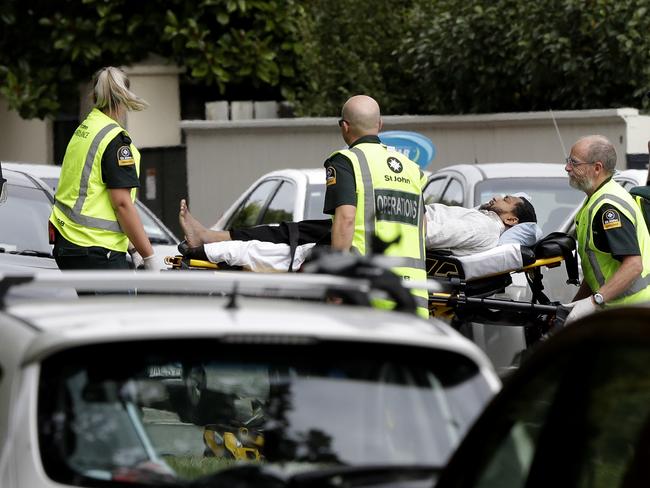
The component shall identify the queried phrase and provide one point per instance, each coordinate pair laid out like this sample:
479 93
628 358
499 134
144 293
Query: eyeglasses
343 121
575 162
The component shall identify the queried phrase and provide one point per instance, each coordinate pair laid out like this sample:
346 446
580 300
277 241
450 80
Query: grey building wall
225 157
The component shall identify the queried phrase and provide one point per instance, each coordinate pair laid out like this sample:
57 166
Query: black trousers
309 231
71 256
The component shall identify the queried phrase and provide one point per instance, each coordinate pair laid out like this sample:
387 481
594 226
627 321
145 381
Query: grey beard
582 185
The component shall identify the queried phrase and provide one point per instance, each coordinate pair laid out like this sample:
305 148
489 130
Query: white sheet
256 255
462 230
494 261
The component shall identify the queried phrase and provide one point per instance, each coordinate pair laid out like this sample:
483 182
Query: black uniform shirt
614 233
341 187
118 164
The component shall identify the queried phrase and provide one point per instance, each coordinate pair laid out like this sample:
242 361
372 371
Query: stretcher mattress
498 260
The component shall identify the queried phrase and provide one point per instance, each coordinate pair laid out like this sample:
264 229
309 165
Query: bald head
362 114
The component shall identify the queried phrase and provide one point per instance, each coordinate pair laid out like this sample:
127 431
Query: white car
575 415
555 202
23 217
162 239
96 389
287 195
469 185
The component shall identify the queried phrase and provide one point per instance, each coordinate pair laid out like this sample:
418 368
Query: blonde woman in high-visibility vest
374 191
613 240
94 217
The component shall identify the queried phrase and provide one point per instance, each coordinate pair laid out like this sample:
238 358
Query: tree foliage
413 56
506 55
469 56
48 47
348 49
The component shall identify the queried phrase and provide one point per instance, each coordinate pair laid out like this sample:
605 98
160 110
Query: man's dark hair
524 211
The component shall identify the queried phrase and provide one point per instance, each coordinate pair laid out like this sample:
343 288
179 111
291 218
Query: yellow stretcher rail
179 262
549 262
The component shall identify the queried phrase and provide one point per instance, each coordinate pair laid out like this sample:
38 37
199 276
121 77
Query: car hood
18 263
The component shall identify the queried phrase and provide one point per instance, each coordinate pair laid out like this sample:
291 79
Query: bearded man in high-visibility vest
374 191
613 239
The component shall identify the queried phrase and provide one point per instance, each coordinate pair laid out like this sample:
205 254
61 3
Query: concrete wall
24 140
224 158
157 125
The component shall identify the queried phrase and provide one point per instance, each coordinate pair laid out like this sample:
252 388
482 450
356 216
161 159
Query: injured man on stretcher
461 231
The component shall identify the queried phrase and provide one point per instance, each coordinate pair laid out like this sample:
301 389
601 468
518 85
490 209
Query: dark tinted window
24 217
553 198
453 194
433 191
156 233
582 419
190 408
249 212
280 208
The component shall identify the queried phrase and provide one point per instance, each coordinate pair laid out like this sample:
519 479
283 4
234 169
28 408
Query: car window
510 458
314 202
553 198
581 419
191 408
24 217
280 208
453 194
156 234
433 190
248 212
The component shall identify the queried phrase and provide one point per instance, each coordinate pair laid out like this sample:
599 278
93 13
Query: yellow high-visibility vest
390 205
597 266
83 212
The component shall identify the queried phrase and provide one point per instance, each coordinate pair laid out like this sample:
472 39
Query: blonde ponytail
111 90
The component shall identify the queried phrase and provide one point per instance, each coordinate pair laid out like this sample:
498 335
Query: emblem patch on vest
330 176
397 206
611 220
124 156
395 165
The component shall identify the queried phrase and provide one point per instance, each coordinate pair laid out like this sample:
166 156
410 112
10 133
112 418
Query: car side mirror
3 188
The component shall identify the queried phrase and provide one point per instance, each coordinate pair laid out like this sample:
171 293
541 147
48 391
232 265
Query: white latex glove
151 264
136 258
579 309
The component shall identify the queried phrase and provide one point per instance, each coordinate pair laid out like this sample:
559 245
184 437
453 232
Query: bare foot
194 231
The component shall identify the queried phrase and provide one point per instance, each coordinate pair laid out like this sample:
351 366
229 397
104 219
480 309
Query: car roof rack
221 283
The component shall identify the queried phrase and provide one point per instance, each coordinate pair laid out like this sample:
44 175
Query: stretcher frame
467 301
461 301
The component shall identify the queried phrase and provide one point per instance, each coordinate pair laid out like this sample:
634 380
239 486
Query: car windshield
154 231
314 202
24 217
129 410
553 198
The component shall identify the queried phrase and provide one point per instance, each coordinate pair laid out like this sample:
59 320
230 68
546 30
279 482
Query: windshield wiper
30 252
160 240
242 476
364 475
264 477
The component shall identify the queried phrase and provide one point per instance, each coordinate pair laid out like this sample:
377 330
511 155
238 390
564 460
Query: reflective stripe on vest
369 220
369 217
74 213
642 282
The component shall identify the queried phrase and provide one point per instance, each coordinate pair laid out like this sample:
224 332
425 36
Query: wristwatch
599 300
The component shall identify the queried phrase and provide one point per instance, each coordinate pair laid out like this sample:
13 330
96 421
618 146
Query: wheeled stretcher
471 281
